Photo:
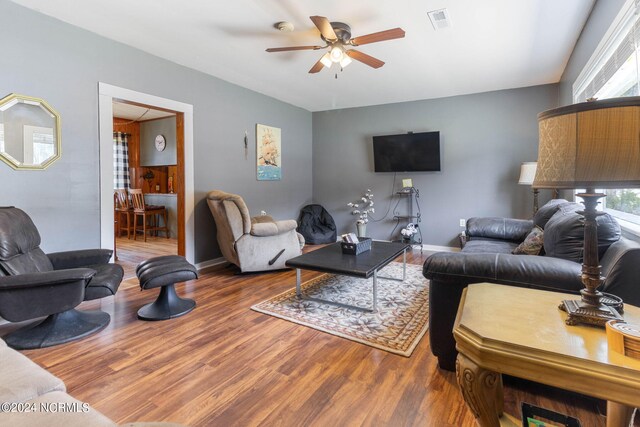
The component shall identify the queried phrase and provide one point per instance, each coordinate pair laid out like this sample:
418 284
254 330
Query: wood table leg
499 396
165 214
128 225
481 390
618 415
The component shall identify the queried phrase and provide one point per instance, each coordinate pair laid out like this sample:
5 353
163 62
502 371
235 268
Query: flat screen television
408 152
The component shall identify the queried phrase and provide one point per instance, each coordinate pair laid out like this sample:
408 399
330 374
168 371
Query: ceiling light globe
336 54
326 60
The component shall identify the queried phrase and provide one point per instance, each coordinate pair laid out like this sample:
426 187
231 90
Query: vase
362 230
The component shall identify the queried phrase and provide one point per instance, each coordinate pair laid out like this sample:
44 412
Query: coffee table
330 259
520 332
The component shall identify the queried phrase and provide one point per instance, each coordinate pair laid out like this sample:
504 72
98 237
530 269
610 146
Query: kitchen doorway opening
146 142
113 101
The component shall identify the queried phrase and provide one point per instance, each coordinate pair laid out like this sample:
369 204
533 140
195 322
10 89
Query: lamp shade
527 173
591 144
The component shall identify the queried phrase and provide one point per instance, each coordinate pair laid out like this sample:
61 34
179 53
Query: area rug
397 327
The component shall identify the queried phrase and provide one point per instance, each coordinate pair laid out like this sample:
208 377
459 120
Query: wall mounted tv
409 152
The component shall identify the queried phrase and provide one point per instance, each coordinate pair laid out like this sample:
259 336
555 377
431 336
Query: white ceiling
492 44
135 112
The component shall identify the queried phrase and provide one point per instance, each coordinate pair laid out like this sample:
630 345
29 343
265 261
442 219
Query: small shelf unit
412 195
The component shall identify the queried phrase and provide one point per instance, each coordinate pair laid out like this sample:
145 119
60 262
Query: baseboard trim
212 264
437 248
428 247
217 263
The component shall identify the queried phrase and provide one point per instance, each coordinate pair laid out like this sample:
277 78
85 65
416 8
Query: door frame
106 95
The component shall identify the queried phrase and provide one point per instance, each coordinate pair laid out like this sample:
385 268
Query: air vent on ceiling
439 19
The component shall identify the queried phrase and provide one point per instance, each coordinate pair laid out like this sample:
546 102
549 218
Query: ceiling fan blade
325 27
394 33
316 67
285 49
364 58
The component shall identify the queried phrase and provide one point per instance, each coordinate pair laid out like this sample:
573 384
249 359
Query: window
614 71
43 147
38 144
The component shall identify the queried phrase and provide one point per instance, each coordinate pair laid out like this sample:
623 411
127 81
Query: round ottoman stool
164 272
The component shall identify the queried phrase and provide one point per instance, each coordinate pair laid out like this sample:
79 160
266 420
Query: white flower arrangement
363 207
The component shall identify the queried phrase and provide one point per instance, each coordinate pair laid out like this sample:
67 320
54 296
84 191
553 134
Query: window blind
620 55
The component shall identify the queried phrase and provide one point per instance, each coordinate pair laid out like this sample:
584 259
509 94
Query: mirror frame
58 133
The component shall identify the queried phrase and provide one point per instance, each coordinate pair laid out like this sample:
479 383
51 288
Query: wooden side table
517 331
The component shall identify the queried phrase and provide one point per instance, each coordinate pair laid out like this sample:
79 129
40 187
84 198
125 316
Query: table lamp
527 173
587 146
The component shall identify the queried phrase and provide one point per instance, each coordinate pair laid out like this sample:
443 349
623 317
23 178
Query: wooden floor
131 252
226 365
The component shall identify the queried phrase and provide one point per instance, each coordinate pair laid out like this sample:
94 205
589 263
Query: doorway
145 145
184 164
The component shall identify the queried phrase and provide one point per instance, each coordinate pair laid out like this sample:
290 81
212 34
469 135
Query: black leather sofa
487 257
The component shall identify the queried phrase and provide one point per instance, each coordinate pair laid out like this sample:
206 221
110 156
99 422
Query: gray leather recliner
34 284
253 244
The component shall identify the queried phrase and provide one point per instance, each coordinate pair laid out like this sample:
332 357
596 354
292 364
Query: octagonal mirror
29 132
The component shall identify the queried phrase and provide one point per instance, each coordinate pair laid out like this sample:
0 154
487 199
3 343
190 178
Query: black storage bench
164 272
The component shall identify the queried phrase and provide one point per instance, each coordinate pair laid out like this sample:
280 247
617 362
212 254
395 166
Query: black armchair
33 285
107 277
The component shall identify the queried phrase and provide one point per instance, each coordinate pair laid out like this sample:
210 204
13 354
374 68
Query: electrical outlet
463 222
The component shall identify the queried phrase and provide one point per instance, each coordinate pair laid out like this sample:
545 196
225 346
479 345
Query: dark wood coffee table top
330 259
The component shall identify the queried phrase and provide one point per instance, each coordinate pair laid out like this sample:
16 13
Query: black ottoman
164 272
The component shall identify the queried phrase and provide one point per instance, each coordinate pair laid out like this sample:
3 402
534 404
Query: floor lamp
527 173
587 146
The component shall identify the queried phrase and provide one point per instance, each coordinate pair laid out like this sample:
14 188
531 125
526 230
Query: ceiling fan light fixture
345 61
326 60
336 54
338 41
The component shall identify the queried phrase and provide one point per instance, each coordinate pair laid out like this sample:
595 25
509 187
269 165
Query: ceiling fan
337 36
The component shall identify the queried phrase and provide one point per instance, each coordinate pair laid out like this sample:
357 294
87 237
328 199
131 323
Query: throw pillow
564 235
544 214
532 245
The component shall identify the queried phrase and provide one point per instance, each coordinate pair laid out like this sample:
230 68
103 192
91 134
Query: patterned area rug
397 327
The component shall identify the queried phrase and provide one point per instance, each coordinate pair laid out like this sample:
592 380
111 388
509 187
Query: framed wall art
269 155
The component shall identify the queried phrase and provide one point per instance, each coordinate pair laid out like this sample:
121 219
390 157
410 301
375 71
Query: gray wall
149 156
601 17
64 200
484 139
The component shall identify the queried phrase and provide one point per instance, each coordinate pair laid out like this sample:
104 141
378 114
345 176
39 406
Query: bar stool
145 211
123 207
